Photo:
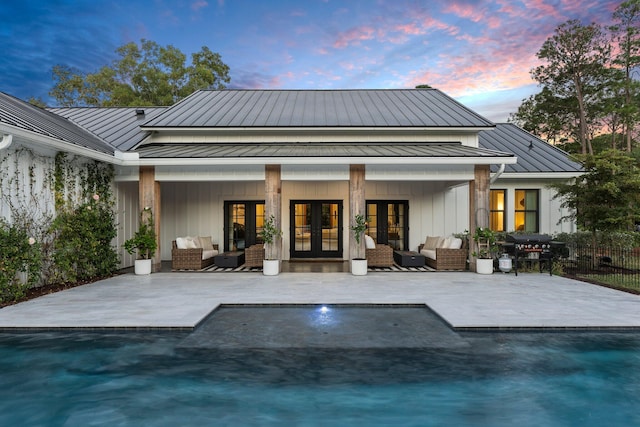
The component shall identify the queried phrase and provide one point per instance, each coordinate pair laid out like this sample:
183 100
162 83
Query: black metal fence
617 267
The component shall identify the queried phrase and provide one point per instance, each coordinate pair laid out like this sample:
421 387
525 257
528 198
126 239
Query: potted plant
143 243
485 240
270 232
358 262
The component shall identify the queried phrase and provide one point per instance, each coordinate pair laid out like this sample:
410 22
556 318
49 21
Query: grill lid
528 238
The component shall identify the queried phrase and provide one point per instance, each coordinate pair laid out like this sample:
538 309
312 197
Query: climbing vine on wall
65 204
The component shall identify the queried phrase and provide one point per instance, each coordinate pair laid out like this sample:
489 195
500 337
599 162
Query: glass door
316 229
388 223
243 224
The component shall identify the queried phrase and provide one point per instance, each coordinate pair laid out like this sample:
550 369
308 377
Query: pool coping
466 302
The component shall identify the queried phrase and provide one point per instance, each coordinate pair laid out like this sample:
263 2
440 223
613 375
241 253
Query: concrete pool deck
464 300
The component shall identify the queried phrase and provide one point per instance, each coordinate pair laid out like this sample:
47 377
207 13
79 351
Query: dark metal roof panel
18 113
319 108
119 126
534 155
254 150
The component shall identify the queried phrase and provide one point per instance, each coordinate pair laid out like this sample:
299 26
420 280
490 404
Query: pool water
163 379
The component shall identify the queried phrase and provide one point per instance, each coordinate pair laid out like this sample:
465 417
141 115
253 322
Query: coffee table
408 259
229 259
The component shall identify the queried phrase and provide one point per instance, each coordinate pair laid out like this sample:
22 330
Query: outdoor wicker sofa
191 258
439 257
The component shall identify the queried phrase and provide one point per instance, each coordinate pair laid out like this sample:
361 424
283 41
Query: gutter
495 177
5 140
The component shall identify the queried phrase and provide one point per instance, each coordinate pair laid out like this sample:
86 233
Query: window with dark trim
497 210
388 222
527 211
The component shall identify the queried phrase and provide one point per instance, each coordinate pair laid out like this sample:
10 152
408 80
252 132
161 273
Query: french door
316 229
243 223
388 222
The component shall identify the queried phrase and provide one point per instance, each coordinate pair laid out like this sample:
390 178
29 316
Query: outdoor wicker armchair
381 256
254 255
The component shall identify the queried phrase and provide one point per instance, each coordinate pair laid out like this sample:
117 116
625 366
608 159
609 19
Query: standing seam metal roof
318 108
534 155
119 126
23 115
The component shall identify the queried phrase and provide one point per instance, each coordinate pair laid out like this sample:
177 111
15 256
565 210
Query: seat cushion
429 253
206 254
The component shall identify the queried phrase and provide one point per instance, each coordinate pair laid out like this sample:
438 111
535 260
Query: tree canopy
148 74
589 83
607 196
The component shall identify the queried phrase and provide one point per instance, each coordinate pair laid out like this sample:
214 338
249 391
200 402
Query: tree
547 116
626 34
607 196
148 74
576 58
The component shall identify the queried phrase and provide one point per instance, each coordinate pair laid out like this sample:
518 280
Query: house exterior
414 162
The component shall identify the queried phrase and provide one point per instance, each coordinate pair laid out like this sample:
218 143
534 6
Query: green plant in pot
143 243
485 239
358 261
270 232
359 226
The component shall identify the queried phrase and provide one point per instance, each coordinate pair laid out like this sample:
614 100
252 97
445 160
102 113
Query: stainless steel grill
532 248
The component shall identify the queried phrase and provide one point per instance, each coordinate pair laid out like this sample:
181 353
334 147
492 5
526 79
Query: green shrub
21 253
82 244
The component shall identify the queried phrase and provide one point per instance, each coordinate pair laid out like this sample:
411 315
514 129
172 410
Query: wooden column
273 206
479 190
357 206
149 195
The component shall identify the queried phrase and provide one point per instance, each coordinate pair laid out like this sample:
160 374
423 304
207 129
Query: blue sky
479 52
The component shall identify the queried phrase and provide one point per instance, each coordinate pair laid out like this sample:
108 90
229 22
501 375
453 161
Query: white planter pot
142 266
359 267
484 266
271 267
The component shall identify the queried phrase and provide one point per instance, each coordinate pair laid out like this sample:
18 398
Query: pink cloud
354 36
199 4
410 28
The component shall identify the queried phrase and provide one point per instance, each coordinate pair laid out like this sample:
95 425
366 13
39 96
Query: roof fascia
539 175
55 144
473 129
329 161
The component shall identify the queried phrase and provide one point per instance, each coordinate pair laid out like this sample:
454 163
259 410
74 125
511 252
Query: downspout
5 141
497 174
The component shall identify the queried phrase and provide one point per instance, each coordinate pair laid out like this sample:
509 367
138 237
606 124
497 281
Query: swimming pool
166 379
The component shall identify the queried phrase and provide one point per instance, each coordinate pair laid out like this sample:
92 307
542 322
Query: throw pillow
181 243
206 243
369 243
456 243
446 243
431 242
191 244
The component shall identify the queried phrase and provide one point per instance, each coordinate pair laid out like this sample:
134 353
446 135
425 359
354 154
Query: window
243 224
526 210
497 206
388 222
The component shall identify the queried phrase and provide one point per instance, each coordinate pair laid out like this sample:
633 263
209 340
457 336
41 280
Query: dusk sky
479 52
